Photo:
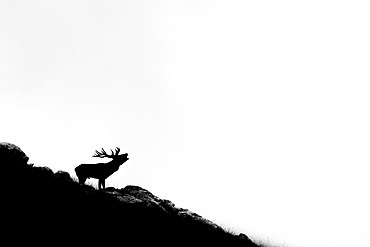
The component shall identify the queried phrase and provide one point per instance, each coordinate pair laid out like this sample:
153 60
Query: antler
103 154
117 151
100 154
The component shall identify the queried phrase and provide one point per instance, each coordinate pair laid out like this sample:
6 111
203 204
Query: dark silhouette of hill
46 208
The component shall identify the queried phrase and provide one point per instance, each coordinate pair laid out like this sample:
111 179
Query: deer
101 171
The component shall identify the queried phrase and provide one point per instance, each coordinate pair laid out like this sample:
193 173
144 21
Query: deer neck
114 163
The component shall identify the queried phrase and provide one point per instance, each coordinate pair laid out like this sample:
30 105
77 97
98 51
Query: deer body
101 171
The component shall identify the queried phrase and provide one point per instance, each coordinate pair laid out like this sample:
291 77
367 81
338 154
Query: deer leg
81 180
100 183
103 184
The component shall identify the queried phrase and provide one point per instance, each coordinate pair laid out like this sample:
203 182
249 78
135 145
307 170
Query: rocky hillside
43 207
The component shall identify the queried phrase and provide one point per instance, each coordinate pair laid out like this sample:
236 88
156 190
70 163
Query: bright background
254 114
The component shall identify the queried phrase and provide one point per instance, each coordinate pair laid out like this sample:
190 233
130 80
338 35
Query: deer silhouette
101 171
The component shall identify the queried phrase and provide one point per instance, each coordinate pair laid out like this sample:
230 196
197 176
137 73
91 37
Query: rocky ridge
44 206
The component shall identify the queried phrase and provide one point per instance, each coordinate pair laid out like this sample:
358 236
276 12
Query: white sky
254 114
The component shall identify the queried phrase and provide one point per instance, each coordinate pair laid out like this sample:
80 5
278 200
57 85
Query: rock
169 206
136 194
12 154
44 171
141 194
129 199
62 175
186 214
244 237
